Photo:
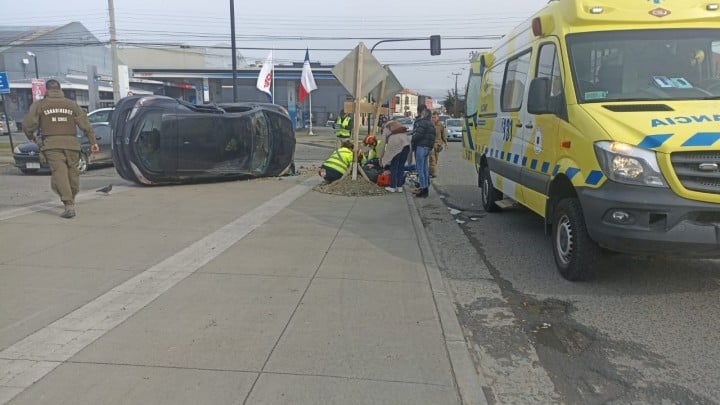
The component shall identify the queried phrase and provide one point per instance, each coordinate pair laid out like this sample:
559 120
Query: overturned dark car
161 140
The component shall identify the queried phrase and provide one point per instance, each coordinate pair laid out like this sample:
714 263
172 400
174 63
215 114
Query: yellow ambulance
603 117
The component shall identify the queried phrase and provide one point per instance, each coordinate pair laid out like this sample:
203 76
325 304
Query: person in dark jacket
423 140
56 118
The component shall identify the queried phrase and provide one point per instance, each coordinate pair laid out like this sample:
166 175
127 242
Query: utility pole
113 52
234 51
455 103
32 55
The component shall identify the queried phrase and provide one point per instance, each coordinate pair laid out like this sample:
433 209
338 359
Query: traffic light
435 45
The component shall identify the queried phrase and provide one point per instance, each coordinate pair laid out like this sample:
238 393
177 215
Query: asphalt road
644 330
18 190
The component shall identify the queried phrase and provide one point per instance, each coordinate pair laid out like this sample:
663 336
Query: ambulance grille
687 169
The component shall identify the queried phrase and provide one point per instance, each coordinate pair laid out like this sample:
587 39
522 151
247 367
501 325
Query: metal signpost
5 89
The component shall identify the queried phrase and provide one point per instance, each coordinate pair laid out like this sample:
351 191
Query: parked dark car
27 154
161 140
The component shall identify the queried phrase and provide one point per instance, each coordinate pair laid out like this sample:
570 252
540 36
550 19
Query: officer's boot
69 211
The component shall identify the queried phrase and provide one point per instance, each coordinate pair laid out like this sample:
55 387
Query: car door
201 141
103 134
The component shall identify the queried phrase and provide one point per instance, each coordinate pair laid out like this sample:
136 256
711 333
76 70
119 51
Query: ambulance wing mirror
539 96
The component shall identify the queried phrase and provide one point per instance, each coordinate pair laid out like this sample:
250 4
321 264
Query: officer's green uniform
56 117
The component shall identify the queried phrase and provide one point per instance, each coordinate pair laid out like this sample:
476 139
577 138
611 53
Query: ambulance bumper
635 219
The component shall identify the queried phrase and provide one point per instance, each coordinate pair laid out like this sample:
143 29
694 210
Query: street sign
372 72
4 83
392 87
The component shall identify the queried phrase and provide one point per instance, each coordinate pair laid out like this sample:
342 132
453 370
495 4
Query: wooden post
379 103
356 114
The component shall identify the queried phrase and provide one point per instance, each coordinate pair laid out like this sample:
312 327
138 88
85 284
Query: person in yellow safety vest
374 144
375 148
335 167
343 126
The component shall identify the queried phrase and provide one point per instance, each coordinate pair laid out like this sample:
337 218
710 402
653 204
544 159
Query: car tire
488 193
28 171
576 255
83 163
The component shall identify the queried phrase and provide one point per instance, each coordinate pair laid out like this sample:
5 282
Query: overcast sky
329 29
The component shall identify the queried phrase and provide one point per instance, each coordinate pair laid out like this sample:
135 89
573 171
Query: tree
451 102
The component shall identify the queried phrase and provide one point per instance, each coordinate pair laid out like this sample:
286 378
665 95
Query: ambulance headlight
629 164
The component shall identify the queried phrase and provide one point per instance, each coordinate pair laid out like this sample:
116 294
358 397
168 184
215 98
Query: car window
453 123
99 116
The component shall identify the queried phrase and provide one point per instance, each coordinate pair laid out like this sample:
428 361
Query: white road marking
30 359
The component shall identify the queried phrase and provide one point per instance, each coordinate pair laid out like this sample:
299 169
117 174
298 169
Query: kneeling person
338 163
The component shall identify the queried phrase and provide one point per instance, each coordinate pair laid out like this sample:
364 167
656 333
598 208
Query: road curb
469 381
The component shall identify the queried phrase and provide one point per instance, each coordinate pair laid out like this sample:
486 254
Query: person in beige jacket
394 154
56 118
440 143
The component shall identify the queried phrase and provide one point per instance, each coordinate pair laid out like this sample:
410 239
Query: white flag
264 80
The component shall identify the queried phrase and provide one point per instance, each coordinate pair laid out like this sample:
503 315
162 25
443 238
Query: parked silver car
454 129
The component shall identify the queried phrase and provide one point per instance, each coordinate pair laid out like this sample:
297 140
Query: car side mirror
539 96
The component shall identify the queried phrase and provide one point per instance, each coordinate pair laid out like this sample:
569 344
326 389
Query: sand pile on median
351 188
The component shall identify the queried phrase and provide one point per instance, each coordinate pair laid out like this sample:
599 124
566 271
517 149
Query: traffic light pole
434 50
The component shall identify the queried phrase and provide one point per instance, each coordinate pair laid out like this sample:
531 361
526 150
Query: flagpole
310 119
272 96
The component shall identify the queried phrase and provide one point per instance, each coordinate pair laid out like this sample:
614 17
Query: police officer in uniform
56 117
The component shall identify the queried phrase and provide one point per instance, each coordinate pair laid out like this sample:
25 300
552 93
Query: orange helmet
370 140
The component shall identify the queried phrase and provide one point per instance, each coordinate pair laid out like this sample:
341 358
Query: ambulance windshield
668 64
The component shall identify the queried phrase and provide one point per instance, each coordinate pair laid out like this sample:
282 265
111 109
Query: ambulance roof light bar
536 27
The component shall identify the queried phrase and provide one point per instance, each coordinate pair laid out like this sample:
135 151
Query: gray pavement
253 292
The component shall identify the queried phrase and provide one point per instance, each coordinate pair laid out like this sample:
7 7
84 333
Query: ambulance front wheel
575 253
489 194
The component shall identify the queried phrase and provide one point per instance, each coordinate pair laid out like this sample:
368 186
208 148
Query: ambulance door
508 140
541 131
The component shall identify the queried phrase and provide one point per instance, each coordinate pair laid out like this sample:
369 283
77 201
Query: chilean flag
307 81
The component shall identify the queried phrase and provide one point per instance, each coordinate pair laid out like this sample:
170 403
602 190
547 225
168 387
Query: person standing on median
394 154
343 126
440 142
423 140
56 118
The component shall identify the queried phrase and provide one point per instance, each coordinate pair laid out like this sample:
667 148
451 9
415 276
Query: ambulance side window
472 94
549 66
516 77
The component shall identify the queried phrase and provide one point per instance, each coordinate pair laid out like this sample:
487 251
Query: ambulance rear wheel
488 193
575 253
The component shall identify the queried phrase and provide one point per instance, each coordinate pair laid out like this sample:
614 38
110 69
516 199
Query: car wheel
488 193
29 171
83 163
575 253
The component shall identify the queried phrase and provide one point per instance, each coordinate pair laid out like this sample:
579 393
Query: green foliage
451 102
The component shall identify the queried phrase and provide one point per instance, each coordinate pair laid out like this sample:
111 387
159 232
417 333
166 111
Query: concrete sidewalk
254 292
